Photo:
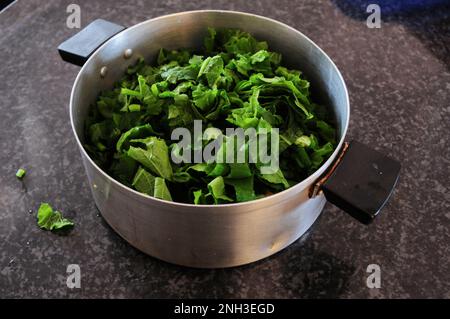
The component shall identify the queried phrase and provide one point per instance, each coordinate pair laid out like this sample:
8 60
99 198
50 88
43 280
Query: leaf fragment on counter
21 173
50 219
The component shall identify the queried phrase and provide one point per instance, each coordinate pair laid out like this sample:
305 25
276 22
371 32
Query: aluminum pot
355 178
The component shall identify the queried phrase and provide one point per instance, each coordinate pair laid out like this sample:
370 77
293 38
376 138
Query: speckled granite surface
399 83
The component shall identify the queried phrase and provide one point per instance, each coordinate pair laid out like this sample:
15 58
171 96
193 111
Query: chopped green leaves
145 182
212 69
133 133
153 154
50 219
204 98
20 173
217 190
235 81
243 187
161 190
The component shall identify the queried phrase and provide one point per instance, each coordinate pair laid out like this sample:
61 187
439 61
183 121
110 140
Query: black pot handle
360 181
80 47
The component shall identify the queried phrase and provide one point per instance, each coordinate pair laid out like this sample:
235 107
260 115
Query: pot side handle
79 48
361 181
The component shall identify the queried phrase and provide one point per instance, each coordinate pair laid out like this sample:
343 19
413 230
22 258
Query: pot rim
295 189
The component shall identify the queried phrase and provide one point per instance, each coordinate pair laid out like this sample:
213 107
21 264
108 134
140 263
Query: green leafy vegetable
154 155
234 81
50 219
217 190
161 190
145 182
20 173
244 188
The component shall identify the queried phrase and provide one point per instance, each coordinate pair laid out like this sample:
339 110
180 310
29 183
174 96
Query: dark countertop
399 83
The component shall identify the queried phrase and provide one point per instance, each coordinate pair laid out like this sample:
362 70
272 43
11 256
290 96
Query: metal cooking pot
355 177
